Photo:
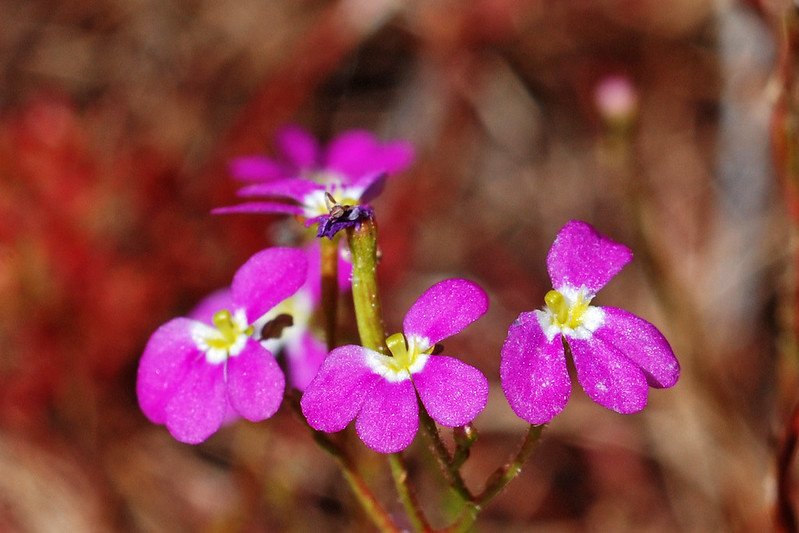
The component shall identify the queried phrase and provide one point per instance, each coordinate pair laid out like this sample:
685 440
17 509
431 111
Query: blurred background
669 126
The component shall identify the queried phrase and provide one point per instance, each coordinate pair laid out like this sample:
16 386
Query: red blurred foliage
88 239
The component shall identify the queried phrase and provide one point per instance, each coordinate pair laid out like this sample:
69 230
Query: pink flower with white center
191 373
380 392
352 169
616 354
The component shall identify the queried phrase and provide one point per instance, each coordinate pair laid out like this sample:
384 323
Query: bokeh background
117 119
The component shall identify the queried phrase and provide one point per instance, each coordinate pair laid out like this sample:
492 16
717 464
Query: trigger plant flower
617 355
352 169
192 374
380 391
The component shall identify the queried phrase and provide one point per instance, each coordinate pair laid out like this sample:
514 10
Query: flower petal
304 358
351 154
533 371
389 418
357 152
643 344
268 278
453 392
198 407
445 309
581 256
395 156
255 382
295 188
166 360
257 168
260 207
298 146
208 306
338 391
373 185
607 376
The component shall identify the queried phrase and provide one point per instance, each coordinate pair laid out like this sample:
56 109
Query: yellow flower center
567 313
405 352
229 331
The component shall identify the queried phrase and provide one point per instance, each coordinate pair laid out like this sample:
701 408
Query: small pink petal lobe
336 394
166 360
608 376
452 392
298 146
197 408
533 371
445 309
268 278
208 306
643 344
582 256
389 417
266 208
294 188
257 168
255 382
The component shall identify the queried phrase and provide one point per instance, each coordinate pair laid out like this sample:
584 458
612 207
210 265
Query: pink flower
352 168
192 374
380 391
616 354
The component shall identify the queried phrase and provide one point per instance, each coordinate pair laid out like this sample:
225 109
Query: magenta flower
352 169
192 373
381 391
616 354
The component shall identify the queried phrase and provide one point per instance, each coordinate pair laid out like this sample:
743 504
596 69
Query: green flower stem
329 270
445 461
505 474
368 311
497 481
369 316
363 494
400 474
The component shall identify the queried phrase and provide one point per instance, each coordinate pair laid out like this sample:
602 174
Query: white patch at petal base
201 333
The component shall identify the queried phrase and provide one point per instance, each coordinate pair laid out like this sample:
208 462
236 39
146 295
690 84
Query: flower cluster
219 363
352 169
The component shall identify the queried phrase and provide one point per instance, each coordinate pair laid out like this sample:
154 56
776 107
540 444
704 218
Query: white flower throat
226 339
569 312
408 356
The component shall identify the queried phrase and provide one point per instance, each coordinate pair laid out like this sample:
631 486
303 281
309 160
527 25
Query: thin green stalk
363 494
497 481
399 471
505 474
442 455
366 297
329 270
362 241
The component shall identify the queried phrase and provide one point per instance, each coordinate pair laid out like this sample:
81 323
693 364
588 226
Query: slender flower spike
616 354
353 169
192 374
380 391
